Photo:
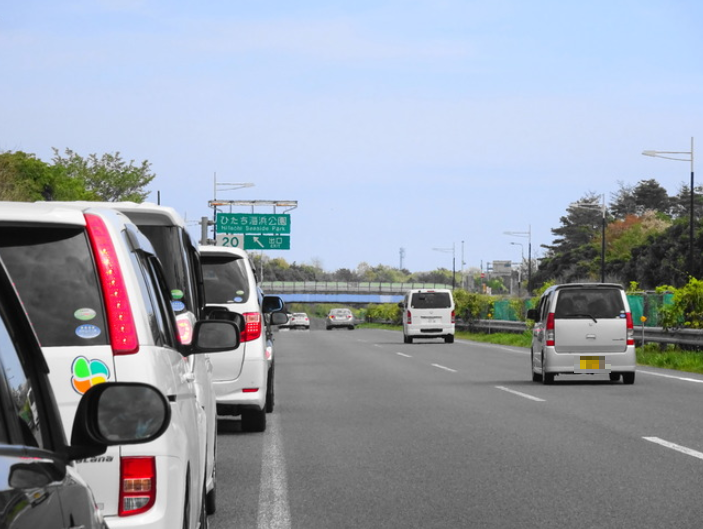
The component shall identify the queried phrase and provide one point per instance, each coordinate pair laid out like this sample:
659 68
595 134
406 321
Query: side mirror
279 318
272 304
400 304
214 336
532 314
118 413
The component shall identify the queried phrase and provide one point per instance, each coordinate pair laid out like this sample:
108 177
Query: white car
299 320
244 377
428 314
95 291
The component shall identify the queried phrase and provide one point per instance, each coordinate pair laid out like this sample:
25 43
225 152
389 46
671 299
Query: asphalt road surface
368 432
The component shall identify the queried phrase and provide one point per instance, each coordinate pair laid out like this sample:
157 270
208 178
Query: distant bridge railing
345 287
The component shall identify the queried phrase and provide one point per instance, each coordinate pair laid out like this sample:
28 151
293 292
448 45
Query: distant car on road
340 318
299 320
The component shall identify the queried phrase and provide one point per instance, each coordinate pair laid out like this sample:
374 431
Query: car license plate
592 362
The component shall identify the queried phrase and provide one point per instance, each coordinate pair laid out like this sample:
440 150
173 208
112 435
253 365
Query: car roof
223 250
141 213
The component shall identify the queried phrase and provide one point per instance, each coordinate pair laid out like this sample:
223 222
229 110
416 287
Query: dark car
39 484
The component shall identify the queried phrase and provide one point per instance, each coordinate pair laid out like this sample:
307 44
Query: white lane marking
445 368
274 511
673 446
685 379
403 354
520 394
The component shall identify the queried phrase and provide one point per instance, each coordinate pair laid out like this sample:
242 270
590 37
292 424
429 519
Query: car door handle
188 377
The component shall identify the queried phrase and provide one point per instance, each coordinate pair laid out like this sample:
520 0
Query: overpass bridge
361 293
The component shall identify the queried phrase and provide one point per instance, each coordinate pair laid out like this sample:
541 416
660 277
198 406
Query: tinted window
431 300
226 279
54 272
596 303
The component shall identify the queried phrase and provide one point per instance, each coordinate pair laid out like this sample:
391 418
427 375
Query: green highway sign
274 223
254 242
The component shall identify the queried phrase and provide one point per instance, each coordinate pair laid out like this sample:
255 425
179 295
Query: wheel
536 377
351 327
328 328
269 392
211 497
203 509
254 420
628 378
407 339
614 377
449 338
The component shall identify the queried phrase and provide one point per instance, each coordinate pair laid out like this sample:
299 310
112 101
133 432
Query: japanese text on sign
253 223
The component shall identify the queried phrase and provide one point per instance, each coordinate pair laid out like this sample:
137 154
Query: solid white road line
520 394
685 379
673 446
274 511
403 354
444 367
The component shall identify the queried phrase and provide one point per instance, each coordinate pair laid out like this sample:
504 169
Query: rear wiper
584 315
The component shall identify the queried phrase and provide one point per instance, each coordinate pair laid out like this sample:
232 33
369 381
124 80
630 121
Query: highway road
368 432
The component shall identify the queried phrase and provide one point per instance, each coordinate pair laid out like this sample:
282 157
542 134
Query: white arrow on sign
257 241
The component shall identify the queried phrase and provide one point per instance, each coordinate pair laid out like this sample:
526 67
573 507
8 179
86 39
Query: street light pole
453 250
527 234
522 254
667 155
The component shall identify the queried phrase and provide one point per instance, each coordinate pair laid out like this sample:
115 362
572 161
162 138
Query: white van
428 314
97 296
583 328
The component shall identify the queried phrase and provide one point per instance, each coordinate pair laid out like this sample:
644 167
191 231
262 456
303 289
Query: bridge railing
345 287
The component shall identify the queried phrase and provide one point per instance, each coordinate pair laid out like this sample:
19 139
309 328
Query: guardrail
689 337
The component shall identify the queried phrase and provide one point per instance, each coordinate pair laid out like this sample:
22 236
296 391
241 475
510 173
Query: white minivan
583 328
96 293
428 314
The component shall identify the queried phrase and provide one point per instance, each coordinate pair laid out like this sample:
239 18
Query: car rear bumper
583 363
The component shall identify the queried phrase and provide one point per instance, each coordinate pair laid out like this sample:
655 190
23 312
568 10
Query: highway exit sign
253 242
274 223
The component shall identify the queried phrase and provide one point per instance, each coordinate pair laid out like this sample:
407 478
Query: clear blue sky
394 124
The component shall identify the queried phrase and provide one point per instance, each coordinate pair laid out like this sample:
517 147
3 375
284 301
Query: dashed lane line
674 446
520 394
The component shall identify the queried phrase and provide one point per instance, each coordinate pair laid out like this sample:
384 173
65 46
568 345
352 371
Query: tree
645 196
109 177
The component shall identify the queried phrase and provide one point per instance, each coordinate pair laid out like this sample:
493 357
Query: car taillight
120 321
185 329
252 326
549 330
137 485
630 329
453 317
410 318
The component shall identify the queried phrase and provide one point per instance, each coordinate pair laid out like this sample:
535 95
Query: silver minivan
583 328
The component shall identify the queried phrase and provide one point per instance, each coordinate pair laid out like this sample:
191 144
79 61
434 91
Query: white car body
428 314
243 378
140 344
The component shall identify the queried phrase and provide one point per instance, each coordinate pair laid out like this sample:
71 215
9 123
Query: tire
407 339
211 497
628 378
547 379
614 377
351 327
254 420
449 338
269 392
186 502
203 509
536 377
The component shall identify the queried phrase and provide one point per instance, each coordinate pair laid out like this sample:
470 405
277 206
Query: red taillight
123 333
630 329
185 329
410 318
453 318
250 390
252 326
549 330
137 485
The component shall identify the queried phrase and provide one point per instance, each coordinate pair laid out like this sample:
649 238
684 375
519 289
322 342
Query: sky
423 133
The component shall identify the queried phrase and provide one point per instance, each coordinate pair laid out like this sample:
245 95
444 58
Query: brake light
120 321
185 329
410 318
549 330
630 329
138 485
453 317
252 326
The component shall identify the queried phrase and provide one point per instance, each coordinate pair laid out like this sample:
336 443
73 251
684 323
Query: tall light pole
602 235
527 234
453 251
522 254
677 156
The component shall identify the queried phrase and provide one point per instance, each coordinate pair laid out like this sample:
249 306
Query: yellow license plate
592 362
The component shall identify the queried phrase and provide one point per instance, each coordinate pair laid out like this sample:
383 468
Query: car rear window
226 279
54 272
585 303
430 300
